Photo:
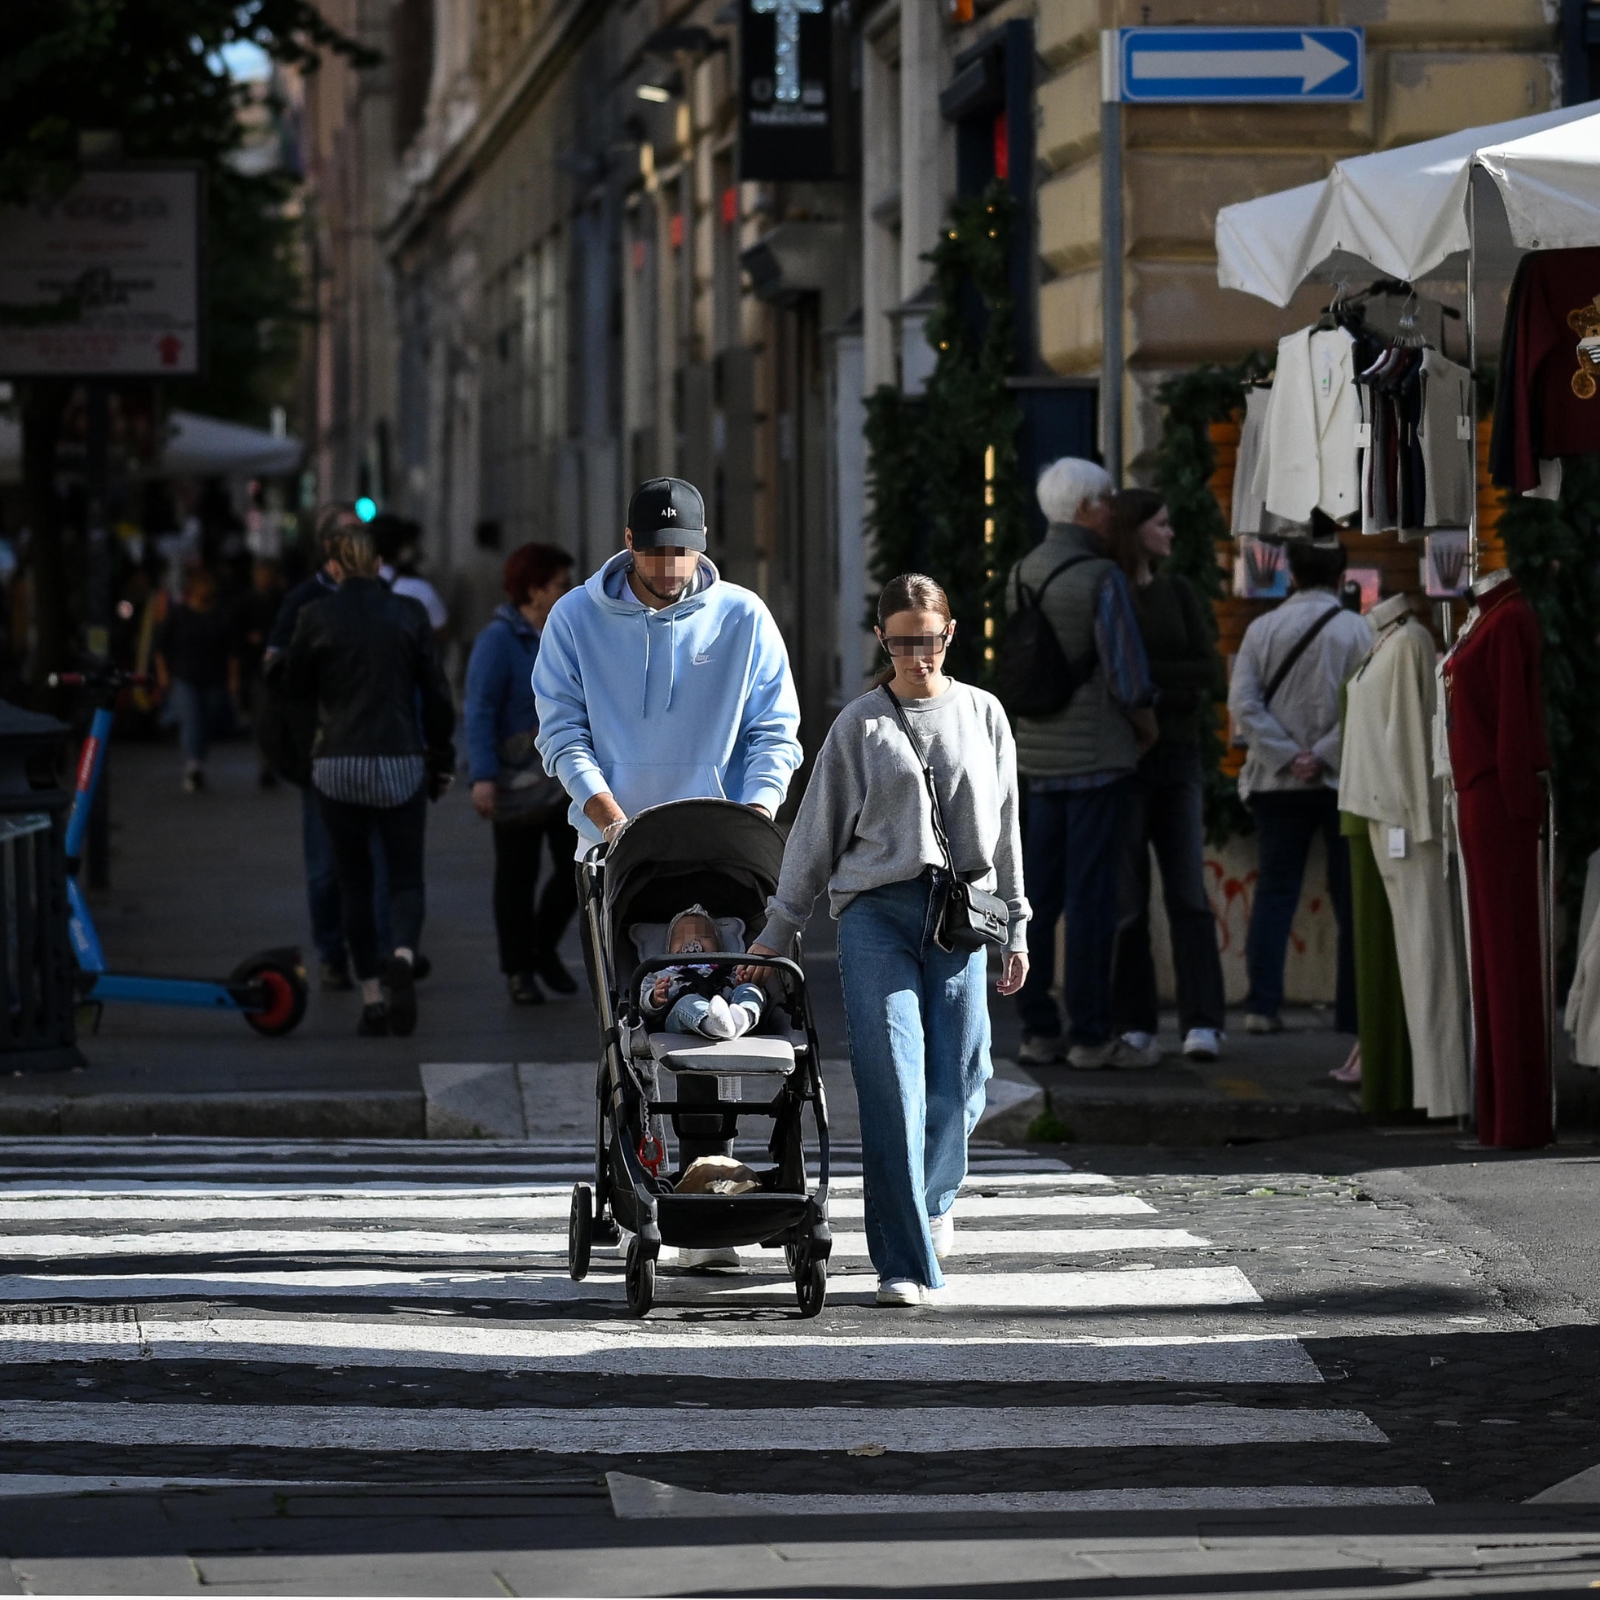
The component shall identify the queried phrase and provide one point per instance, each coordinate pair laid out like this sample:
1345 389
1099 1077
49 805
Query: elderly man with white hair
1078 764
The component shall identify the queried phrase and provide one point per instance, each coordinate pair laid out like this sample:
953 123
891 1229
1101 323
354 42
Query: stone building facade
540 278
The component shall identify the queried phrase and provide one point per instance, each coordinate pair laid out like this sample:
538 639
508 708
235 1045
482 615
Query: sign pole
1111 255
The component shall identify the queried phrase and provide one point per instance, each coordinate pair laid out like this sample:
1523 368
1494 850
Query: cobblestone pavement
361 1368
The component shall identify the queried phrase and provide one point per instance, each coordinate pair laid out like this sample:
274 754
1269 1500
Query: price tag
1363 436
1463 427
1397 844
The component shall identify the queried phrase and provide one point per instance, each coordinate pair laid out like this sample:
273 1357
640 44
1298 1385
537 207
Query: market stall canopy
197 447
1398 213
1550 183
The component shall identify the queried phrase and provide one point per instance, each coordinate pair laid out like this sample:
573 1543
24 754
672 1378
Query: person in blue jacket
509 785
658 680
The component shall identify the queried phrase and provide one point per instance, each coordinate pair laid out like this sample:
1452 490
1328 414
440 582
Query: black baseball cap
667 511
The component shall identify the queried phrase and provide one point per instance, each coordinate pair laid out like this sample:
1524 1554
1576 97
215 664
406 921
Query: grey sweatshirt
866 820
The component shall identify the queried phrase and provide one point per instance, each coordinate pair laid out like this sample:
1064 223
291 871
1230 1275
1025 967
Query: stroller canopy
722 855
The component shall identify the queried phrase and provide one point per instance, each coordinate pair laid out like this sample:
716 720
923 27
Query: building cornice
572 22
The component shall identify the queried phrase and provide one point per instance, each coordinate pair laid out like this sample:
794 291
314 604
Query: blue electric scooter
268 989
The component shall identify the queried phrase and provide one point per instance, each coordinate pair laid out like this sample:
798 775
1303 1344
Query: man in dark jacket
366 657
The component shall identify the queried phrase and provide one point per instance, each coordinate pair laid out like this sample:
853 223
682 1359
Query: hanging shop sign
104 279
1239 64
786 90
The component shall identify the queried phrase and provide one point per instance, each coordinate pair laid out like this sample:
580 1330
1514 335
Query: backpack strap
1298 649
1036 595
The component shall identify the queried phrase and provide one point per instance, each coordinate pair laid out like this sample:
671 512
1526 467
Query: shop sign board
786 90
104 280
1239 64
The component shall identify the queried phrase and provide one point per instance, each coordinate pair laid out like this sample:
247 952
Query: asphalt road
354 1368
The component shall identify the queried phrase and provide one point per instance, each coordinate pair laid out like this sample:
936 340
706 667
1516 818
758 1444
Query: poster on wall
786 90
1446 563
103 280
1260 570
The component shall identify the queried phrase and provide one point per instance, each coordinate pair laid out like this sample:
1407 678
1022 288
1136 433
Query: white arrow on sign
1313 63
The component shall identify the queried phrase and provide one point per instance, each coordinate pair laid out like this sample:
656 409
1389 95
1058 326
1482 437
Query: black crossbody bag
970 919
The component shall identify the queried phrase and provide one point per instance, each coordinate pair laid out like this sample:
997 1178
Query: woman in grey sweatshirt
917 1015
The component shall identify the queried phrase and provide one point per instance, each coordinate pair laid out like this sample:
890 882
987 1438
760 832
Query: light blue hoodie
690 702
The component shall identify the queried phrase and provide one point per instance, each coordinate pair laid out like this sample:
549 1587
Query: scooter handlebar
102 678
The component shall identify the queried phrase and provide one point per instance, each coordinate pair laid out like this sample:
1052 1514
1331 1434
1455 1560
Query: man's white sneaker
1091 1057
707 1258
899 1292
943 1230
1202 1044
1039 1050
1136 1050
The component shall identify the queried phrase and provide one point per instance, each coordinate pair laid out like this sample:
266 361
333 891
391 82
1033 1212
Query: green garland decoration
1184 462
926 457
1551 548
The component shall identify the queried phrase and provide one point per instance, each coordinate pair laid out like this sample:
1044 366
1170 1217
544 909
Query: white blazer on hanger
1311 428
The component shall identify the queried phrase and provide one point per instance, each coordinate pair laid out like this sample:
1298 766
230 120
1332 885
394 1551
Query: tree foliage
926 456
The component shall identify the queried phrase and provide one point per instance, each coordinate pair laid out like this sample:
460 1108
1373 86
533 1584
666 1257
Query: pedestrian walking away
1078 761
382 750
913 792
510 787
1166 803
197 666
322 876
1284 698
658 681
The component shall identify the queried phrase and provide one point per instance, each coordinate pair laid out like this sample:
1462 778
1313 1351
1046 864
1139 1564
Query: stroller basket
726 858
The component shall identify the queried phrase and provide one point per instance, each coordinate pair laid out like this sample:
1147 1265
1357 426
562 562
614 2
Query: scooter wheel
285 986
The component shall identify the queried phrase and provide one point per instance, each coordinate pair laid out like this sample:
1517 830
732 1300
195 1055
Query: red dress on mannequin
1497 751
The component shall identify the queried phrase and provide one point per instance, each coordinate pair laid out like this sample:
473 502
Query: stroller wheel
811 1284
640 1279
580 1232
792 1259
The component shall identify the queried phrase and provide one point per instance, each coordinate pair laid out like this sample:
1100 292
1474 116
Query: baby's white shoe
718 1021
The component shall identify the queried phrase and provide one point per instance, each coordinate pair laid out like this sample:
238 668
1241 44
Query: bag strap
1036 595
1298 649
927 774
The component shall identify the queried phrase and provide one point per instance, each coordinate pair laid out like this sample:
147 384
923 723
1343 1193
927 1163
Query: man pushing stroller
659 681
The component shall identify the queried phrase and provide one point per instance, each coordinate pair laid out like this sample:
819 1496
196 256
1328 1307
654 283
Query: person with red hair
509 785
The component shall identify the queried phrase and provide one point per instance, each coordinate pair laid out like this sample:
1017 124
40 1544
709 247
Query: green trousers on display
1380 1005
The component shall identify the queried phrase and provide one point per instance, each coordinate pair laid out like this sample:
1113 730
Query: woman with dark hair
1166 802
917 1016
509 785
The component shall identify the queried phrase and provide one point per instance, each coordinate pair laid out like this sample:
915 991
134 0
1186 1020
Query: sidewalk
201 881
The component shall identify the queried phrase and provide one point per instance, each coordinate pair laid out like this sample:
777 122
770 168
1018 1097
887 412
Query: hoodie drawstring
644 699
672 655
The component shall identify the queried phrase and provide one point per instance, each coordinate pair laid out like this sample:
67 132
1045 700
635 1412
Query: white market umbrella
1397 213
1550 184
198 447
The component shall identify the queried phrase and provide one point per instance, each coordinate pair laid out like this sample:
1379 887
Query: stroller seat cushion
753 1055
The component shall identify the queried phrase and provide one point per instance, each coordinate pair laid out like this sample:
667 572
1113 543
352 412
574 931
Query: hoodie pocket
638 786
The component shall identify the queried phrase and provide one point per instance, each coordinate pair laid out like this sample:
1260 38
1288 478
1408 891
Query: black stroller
726 858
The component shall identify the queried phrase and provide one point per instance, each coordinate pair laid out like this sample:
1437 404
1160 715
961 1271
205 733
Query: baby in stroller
698 998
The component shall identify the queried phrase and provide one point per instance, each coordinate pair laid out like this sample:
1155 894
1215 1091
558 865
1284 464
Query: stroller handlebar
719 958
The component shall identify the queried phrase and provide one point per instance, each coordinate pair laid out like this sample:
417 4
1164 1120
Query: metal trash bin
37 972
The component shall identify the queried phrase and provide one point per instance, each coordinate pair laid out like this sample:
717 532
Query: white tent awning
1398 213
197 447
1550 183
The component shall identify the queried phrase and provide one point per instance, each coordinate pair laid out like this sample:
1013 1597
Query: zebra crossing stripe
450 1206
1154 1289
650 1350
661 1429
643 1498
409 1242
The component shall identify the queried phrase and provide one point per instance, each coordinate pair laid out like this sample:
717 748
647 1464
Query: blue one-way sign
1177 64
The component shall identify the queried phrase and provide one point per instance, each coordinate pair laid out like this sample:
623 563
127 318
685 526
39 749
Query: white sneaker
1136 1050
1091 1057
899 1292
691 1259
1202 1044
943 1230
1039 1049
718 1021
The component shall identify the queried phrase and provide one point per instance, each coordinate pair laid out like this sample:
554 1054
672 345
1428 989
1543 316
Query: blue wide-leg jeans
919 1051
